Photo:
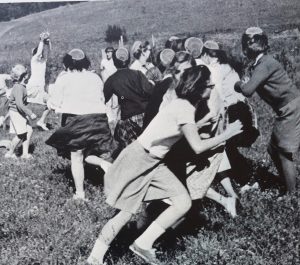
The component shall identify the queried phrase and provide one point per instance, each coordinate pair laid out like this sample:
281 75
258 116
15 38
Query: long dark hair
193 83
120 64
78 65
142 48
176 44
219 54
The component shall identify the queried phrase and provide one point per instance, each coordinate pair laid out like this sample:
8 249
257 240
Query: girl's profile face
208 89
208 59
109 54
147 52
181 67
25 79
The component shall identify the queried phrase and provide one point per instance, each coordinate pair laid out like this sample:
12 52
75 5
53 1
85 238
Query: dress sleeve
259 75
185 113
146 86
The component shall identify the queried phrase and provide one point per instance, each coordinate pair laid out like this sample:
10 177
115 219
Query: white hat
212 45
194 46
254 31
166 56
173 38
76 54
122 54
17 71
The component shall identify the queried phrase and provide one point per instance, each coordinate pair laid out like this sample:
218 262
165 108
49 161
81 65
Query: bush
113 33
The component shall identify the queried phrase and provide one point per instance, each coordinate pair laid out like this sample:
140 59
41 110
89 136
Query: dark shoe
147 255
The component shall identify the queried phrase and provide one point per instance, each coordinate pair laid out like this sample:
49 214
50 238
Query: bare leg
41 122
26 143
97 161
228 203
180 206
78 173
14 143
226 183
107 235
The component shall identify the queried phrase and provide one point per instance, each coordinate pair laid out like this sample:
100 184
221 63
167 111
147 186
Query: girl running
148 178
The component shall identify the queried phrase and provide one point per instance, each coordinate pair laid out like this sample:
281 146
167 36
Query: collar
258 58
167 76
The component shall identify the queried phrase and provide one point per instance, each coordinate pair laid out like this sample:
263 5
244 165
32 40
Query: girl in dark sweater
271 82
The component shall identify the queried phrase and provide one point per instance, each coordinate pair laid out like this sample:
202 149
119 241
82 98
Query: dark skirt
90 133
243 111
285 136
128 130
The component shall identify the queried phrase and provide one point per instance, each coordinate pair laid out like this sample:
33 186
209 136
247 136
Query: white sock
230 206
146 240
98 252
79 195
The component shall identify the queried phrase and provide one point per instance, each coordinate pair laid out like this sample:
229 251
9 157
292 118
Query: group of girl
163 129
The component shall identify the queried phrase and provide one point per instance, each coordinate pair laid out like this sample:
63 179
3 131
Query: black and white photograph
157 132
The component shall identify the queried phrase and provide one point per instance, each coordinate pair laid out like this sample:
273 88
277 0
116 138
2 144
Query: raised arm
40 48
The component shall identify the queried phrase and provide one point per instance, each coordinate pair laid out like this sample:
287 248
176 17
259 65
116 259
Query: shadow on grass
19 149
94 175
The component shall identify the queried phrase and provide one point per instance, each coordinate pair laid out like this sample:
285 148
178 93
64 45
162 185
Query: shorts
19 124
37 94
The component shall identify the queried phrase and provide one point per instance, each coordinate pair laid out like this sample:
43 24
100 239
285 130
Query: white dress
36 83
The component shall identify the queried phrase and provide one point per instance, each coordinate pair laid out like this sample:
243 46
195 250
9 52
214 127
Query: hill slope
83 25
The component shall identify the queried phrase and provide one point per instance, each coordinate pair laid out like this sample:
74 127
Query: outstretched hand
234 128
208 119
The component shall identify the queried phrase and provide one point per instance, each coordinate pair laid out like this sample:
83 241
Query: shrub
114 32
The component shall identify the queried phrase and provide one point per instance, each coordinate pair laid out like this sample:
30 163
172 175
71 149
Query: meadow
39 222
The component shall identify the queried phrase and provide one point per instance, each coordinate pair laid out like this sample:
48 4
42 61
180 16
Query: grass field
40 225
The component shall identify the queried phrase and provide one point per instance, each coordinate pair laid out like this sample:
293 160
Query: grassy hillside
83 25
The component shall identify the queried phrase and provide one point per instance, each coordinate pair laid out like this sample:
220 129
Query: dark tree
114 32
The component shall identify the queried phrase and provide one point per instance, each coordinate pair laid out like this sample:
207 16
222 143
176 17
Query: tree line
11 11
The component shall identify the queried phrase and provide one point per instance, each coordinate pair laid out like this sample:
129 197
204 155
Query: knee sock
146 240
98 252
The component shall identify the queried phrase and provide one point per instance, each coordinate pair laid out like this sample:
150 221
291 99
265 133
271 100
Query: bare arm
40 49
190 132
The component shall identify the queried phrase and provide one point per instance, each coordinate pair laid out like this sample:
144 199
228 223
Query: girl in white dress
36 84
